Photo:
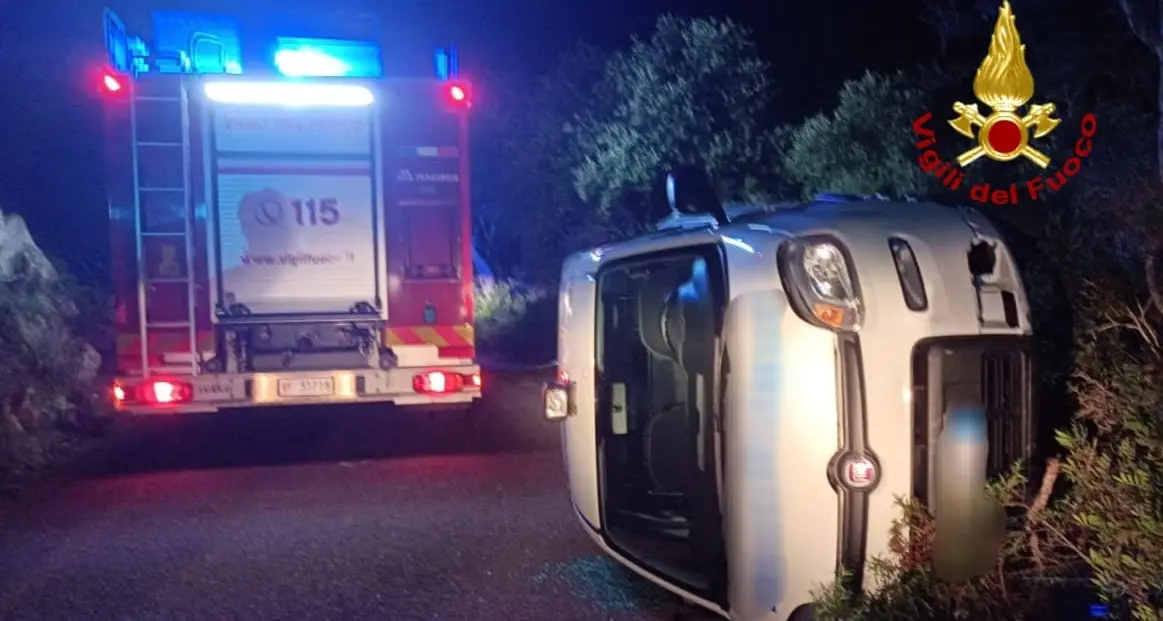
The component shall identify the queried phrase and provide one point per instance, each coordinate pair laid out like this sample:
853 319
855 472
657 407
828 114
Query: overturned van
744 392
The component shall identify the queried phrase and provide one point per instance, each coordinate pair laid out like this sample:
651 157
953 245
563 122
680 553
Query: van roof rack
734 211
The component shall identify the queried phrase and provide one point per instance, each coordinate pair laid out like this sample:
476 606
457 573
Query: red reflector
457 93
456 351
437 382
112 84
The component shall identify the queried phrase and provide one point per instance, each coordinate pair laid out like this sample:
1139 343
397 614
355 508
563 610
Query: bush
1095 528
515 324
1112 517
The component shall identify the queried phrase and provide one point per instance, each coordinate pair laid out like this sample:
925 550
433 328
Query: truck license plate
307 387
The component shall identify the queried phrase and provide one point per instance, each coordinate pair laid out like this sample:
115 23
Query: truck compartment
295 214
426 220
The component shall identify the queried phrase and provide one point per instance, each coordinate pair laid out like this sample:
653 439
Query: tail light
458 95
444 382
162 392
557 400
108 83
155 392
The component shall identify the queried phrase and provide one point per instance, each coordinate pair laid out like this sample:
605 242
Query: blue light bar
116 42
442 63
305 61
329 58
208 43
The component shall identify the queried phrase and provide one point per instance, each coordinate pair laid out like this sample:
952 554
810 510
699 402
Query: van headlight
818 277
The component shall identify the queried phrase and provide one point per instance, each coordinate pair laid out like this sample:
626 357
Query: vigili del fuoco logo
1004 85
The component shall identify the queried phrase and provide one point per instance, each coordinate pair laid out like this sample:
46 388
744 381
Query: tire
806 612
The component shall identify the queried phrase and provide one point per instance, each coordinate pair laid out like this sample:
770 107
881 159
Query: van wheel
806 612
694 612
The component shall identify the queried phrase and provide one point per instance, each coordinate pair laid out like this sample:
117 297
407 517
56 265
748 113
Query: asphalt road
344 513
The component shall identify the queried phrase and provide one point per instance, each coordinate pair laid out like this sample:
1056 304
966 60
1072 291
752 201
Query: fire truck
288 224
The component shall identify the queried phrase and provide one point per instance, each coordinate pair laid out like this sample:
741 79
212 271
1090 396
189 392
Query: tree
1146 21
1111 75
528 213
865 145
695 92
1104 77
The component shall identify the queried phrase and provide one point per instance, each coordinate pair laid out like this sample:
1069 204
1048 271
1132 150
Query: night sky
51 169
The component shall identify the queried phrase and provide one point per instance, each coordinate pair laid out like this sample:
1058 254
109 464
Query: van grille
1004 388
992 371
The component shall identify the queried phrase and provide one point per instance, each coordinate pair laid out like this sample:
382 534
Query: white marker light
309 62
288 94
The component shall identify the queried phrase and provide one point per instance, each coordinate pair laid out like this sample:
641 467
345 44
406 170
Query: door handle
619 422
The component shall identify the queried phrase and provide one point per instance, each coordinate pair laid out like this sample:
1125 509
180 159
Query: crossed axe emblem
1037 118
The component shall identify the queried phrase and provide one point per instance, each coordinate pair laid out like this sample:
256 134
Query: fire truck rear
291 230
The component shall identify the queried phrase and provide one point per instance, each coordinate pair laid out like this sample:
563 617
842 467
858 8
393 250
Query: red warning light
457 93
112 84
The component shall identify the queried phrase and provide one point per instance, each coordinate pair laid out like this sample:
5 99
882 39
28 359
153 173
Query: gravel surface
343 513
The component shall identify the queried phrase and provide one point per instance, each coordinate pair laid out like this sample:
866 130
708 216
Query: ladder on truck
163 221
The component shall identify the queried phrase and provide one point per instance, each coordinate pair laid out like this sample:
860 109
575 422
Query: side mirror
557 401
689 191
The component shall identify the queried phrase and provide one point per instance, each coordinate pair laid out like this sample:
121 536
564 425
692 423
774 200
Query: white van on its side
743 395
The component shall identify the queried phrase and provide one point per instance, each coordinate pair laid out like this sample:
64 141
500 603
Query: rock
9 426
90 363
47 364
27 417
22 260
19 255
